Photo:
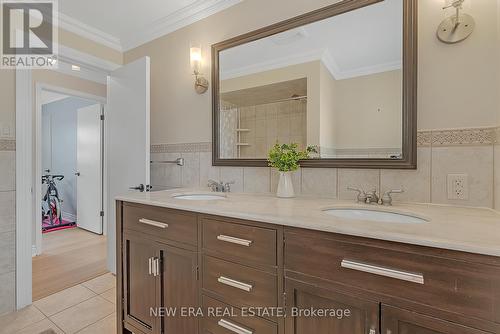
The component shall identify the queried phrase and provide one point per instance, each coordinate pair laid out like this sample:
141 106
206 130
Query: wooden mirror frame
409 125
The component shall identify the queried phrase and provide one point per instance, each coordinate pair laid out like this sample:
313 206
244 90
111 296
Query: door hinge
102 117
101 214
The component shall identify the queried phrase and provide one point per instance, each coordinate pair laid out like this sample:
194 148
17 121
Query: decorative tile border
424 138
478 136
7 145
182 148
450 137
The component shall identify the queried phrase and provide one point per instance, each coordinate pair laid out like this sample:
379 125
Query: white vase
285 185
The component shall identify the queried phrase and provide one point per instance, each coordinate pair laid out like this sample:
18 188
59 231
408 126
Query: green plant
286 157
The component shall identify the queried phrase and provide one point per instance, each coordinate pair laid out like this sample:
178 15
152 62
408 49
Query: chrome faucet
220 186
386 199
372 197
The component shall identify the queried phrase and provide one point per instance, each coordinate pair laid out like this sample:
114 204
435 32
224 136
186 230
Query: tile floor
87 308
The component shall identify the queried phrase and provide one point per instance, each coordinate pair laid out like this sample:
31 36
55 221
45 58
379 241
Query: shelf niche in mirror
341 78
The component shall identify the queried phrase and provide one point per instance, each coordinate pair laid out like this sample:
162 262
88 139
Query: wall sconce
200 83
455 28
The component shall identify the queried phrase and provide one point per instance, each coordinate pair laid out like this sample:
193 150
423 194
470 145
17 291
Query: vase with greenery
285 158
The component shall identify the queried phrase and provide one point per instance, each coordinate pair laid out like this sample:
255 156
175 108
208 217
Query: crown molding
190 14
73 25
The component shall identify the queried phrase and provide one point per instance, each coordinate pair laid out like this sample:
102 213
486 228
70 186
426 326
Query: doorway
69 245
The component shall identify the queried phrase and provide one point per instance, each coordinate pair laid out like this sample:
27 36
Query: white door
127 138
89 169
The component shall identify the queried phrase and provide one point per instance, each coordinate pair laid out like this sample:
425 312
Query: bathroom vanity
437 276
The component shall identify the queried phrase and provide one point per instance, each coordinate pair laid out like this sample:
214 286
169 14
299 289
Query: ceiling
49 97
267 94
361 42
127 24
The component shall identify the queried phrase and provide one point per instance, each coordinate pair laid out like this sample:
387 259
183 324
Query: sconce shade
195 54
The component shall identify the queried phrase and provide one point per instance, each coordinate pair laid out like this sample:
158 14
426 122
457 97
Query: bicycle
51 203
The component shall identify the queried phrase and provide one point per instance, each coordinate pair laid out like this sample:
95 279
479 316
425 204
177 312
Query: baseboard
69 216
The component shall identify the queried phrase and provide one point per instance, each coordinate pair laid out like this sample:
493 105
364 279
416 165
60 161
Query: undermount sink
375 215
199 197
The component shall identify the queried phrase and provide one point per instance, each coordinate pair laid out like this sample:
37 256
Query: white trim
322 55
188 15
70 54
24 186
69 216
38 149
86 73
26 210
75 26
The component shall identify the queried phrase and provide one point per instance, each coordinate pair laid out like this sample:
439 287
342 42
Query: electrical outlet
458 186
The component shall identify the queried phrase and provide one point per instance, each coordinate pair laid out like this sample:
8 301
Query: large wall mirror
342 79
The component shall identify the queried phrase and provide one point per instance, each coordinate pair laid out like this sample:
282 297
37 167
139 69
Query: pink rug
56 226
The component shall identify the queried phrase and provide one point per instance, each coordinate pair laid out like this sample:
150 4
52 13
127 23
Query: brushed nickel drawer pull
235 284
233 327
234 240
387 272
150 260
153 223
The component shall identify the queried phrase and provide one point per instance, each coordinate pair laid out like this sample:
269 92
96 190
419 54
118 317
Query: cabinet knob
372 331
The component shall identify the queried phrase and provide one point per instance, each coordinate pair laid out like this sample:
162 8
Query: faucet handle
361 194
386 199
227 186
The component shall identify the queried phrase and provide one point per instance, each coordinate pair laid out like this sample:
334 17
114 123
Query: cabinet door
179 290
139 284
397 321
340 313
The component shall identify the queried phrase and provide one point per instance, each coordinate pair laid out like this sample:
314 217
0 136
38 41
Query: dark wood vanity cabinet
328 283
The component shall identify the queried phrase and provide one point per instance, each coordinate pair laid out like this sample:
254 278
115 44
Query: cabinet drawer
221 318
241 243
243 286
160 222
388 269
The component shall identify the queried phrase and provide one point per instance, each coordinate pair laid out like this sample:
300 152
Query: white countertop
475 230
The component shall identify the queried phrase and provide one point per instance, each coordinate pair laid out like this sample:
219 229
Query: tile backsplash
440 152
7 225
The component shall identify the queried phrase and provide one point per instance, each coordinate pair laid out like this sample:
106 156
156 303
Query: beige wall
178 114
68 82
7 98
359 124
458 84
328 111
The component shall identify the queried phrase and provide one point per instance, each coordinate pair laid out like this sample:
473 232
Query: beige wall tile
496 165
366 179
7 295
8 252
191 170
7 170
65 299
173 176
229 174
82 315
319 182
415 183
207 171
257 180
158 171
7 211
296 181
476 161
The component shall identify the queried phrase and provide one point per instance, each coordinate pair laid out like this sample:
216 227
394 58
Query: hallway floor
69 257
87 308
